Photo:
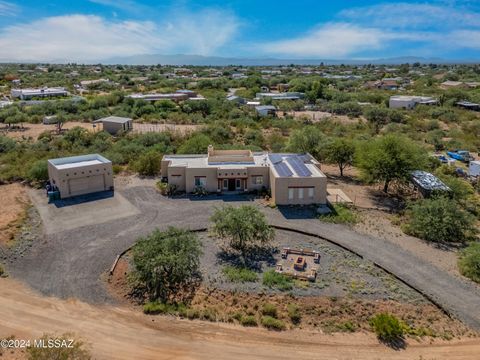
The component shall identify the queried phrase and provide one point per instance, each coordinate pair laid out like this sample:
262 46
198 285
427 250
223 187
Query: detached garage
80 175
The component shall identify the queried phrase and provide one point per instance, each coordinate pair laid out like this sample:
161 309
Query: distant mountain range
199 60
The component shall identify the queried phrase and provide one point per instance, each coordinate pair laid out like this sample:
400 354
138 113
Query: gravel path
71 263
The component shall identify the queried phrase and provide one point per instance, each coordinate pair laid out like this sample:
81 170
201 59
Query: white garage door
86 185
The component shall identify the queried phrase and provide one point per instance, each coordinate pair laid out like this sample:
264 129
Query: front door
231 184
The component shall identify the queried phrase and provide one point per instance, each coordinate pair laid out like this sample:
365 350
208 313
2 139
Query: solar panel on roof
275 158
298 166
283 170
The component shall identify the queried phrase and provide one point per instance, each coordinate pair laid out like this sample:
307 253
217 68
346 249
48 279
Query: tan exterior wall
176 176
81 177
258 171
281 187
209 173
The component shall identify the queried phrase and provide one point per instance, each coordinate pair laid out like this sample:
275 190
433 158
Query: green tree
245 228
6 144
469 261
439 219
340 152
167 264
148 164
378 117
309 139
197 144
389 158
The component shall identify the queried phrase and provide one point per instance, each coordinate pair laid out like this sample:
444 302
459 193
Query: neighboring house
236 99
177 97
239 76
293 179
86 83
409 102
26 94
468 105
385 84
115 124
280 96
266 110
452 84
80 175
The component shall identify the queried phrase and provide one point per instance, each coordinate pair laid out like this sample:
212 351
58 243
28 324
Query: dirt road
121 333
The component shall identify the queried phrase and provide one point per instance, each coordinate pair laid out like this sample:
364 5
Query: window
200 181
290 193
310 193
238 183
257 180
300 193
225 184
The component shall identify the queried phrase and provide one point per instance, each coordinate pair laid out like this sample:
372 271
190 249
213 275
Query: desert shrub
148 164
77 351
2 271
239 274
38 171
166 189
248 320
294 313
117 169
276 280
387 327
439 219
469 262
272 323
341 214
269 310
155 307
6 144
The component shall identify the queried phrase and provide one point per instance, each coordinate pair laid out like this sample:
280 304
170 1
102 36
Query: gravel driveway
70 263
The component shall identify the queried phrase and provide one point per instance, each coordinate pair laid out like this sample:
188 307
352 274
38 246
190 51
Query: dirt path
14 203
121 333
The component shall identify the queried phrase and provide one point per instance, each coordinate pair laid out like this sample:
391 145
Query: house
236 99
115 124
85 84
266 110
292 178
177 97
468 105
280 96
409 102
26 94
80 175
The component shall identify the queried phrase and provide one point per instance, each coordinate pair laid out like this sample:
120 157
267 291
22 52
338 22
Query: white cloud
407 27
330 40
8 8
125 5
84 38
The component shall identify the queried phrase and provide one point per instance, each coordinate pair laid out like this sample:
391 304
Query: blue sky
92 30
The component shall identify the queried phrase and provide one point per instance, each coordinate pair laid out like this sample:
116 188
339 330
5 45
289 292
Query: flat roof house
115 124
409 102
292 178
80 175
26 94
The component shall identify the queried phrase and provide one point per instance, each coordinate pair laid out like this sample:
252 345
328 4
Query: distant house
236 99
115 124
452 84
26 94
385 84
468 105
266 110
409 102
87 83
280 96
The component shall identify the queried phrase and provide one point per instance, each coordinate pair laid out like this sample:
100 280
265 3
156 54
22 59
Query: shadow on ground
82 199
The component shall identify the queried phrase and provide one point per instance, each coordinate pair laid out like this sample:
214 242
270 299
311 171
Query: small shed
266 110
428 184
115 124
